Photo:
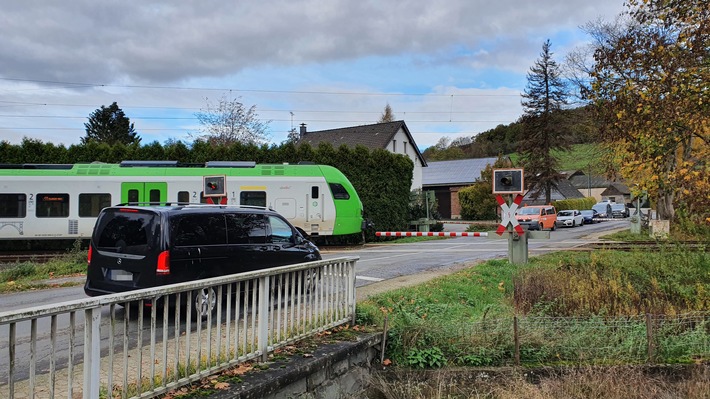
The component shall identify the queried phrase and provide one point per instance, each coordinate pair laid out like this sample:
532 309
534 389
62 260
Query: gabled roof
562 189
616 189
460 172
374 136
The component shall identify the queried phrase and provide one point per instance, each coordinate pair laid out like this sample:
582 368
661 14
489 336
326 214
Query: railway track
12 258
645 245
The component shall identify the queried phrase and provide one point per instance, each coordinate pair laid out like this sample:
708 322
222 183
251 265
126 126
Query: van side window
200 229
246 228
280 231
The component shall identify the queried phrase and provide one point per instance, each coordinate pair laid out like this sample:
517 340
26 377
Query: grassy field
25 276
583 157
586 293
583 316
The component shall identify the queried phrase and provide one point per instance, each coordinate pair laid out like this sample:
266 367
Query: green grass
31 275
580 157
596 299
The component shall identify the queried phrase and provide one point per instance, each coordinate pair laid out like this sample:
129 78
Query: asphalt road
380 262
380 267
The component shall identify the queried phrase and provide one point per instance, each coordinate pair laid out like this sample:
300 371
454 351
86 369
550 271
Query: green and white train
60 201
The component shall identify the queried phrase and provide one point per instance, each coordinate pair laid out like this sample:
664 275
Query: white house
392 136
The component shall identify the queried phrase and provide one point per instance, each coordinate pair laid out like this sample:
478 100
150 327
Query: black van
135 247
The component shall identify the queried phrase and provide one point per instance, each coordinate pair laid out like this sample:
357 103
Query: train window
253 198
246 228
52 205
339 192
183 197
314 192
13 205
91 204
154 197
133 196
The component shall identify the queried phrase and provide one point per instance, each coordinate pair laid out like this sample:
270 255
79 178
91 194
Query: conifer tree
110 125
544 97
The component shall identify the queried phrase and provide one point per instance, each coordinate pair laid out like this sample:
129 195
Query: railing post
262 337
92 352
352 291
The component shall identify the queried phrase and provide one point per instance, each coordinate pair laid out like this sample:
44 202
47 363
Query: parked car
134 247
603 209
619 211
570 218
537 217
590 216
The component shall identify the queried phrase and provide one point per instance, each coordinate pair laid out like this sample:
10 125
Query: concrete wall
337 370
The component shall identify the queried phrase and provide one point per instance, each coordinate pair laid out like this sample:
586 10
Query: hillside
504 139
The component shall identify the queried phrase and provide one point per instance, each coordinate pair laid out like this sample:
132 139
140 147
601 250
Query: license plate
120 275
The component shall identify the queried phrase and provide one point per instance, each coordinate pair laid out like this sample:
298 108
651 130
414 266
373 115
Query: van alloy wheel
204 302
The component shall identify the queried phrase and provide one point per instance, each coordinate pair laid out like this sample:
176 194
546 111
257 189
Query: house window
404 144
394 145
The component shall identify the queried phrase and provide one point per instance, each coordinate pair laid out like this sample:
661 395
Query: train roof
165 168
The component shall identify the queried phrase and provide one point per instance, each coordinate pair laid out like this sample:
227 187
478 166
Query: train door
314 207
154 193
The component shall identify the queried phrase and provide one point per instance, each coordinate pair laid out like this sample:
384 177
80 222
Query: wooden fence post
650 342
516 338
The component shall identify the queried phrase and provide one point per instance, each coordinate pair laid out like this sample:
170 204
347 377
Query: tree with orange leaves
650 82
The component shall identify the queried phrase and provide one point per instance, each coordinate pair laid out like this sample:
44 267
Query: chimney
303 129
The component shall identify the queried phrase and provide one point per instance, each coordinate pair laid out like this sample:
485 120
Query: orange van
537 217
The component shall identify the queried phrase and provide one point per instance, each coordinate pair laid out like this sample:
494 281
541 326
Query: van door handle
264 248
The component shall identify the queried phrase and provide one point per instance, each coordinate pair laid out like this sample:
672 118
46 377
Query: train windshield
125 231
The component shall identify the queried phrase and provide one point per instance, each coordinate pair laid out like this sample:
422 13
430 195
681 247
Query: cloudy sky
446 67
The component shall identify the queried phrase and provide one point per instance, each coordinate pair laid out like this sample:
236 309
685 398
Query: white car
570 218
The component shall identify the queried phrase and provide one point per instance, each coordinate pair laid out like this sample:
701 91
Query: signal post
510 182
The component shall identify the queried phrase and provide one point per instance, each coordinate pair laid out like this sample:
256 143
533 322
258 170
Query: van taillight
163 263
88 256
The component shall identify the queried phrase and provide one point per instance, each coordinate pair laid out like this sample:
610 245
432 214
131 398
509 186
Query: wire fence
532 340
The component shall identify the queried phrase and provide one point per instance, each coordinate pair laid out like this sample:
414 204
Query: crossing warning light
214 186
508 181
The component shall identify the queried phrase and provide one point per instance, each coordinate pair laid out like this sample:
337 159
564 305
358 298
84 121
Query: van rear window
126 232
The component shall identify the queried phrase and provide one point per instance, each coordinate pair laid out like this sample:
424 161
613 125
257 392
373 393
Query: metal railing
147 342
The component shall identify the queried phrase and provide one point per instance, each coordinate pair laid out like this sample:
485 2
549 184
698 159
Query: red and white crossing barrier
429 234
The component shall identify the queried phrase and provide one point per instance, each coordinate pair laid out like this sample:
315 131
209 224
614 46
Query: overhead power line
223 89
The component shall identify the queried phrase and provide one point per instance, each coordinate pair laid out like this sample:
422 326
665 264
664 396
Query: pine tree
544 97
111 126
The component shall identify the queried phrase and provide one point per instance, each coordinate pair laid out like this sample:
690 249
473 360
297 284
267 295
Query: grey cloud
166 41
